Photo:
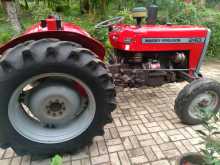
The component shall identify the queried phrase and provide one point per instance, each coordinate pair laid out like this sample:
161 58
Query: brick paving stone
150 154
157 152
114 159
162 125
142 128
146 143
180 147
26 160
9 153
135 152
157 138
41 162
167 146
144 137
171 153
136 129
192 132
151 124
115 148
139 159
98 138
134 141
117 122
85 162
185 133
124 128
102 147
169 125
195 141
123 121
5 162
172 132
189 146
177 137
100 159
161 162
114 132
126 133
154 129
16 161
1 153
66 158
81 155
164 136
107 134
127 143
76 162
124 158
113 142
94 149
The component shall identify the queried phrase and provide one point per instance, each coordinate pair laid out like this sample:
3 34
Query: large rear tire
200 94
63 69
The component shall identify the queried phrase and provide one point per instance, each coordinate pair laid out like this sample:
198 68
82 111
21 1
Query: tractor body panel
66 32
162 38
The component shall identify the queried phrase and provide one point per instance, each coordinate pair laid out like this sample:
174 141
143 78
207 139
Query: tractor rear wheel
55 97
196 99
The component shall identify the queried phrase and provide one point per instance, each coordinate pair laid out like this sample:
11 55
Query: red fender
86 42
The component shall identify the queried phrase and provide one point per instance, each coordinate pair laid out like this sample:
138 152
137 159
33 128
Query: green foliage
210 19
174 11
56 160
40 11
211 152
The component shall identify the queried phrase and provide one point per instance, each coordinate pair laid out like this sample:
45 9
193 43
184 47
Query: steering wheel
109 22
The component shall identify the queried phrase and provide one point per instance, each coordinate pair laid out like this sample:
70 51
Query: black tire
51 55
187 95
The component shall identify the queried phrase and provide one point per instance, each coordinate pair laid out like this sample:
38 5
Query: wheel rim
207 101
35 129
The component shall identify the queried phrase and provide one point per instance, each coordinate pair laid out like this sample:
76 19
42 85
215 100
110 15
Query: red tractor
57 93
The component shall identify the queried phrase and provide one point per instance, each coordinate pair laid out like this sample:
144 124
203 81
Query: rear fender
86 42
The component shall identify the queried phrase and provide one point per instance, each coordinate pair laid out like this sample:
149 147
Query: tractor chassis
137 77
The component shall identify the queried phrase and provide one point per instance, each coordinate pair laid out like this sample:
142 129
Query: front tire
76 75
200 94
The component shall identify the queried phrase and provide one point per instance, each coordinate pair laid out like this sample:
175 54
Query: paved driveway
145 131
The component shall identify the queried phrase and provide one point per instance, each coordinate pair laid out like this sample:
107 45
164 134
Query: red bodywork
67 32
135 34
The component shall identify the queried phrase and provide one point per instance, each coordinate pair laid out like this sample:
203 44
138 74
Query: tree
11 11
84 6
94 6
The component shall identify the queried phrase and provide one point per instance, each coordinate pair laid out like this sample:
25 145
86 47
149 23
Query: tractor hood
140 38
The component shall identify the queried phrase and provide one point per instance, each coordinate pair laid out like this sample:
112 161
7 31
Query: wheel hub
55 104
55 109
207 100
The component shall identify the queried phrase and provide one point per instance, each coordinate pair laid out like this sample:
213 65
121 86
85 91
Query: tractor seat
139 12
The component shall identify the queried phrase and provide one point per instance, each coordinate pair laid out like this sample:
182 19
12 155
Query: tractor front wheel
55 97
196 99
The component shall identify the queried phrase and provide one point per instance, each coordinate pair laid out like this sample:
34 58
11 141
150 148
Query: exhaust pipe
152 14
